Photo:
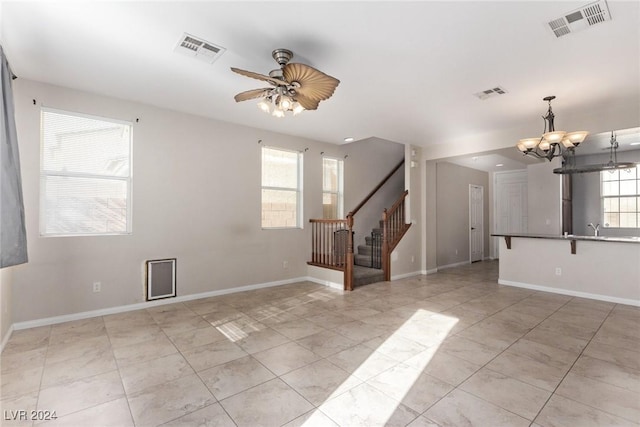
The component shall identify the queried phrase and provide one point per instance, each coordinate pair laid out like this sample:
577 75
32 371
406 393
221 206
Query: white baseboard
456 264
405 275
6 337
147 304
598 297
328 283
431 271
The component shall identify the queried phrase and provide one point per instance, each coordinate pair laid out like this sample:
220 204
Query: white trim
431 271
328 283
6 338
455 264
481 221
142 305
405 275
571 293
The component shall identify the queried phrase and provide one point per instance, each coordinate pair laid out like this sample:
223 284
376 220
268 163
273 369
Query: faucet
596 228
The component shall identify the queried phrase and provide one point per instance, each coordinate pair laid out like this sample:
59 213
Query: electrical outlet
558 271
97 286
413 258
285 264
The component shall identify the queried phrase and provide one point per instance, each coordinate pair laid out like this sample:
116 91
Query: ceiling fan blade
307 103
314 84
251 94
258 76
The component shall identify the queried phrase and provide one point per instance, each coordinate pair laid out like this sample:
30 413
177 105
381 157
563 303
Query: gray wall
368 162
196 197
452 206
586 196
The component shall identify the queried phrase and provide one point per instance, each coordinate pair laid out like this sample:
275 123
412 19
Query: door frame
471 186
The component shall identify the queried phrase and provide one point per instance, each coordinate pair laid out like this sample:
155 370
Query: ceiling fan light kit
296 87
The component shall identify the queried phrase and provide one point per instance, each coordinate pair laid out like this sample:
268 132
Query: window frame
298 190
74 175
619 196
340 192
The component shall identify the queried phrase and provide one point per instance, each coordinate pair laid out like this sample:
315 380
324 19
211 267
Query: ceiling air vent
490 93
579 19
199 48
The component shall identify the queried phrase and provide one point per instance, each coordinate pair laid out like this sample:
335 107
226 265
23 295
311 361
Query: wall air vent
579 19
490 93
199 48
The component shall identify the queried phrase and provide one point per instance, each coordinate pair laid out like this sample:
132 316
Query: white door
476 232
510 204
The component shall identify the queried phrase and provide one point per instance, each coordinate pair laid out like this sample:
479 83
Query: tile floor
449 349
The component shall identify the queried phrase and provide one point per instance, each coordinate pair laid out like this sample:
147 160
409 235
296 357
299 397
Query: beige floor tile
64 333
423 422
125 336
82 394
326 343
154 405
610 373
239 327
362 361
114 413
562 327
530 371
154 372
187 323
468 350
78 349
599 395
461 409
560 341
563 412
197 338
443 366
506 392
396 347
16 411
314 418
617 338
270 404
544 353
22 381
285 358
366 406
31 359
617 355
298 328
262 340
210 355
329 320
157 346
210 416
320 381
27 339
358 331
235 376
413 388
90 363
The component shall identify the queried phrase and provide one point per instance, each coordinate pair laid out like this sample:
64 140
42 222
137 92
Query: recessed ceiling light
499 165
635 143
349 139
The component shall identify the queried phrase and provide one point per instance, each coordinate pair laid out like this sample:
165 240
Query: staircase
368 260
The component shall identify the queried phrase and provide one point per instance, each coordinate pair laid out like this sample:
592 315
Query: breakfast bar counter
598 267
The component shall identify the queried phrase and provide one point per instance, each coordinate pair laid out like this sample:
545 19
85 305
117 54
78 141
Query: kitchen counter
580 266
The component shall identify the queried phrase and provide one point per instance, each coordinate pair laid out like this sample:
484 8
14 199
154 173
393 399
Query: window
85 175
621 198
281 188
332 188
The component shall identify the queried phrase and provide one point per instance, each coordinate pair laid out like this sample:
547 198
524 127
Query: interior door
476 231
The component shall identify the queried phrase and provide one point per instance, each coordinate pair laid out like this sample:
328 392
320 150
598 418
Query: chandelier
553 143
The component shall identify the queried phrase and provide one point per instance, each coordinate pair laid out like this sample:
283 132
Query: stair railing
327 244
394 227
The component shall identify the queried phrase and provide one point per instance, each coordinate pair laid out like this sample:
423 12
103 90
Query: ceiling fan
295 87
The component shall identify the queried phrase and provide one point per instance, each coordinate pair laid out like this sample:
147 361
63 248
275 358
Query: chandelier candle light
552 143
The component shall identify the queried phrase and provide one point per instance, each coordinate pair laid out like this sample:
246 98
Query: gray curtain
13 236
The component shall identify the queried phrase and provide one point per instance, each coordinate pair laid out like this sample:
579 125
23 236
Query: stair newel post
348 268
386 268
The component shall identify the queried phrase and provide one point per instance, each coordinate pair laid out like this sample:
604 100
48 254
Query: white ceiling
407 69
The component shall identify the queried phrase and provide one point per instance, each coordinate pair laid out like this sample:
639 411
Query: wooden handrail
377 187
398 202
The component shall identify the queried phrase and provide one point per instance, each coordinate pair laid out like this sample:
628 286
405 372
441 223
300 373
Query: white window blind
85 175
281 188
